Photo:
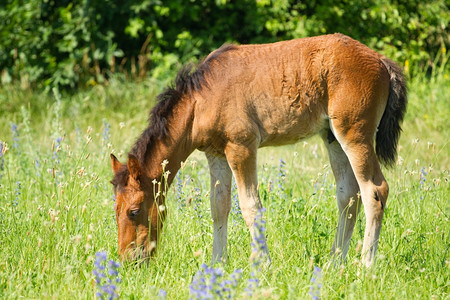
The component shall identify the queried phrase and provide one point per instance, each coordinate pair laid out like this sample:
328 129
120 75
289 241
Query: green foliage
58 42
67 43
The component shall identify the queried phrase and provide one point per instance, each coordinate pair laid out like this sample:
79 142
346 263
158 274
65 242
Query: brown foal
241 98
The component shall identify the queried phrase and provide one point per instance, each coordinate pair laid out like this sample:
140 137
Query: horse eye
134 213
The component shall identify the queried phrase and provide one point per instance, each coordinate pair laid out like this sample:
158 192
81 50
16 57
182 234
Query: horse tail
389 128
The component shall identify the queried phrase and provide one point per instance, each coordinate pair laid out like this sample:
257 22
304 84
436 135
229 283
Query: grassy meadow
56 206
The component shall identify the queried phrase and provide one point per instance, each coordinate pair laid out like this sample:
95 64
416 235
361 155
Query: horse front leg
220 197
242 160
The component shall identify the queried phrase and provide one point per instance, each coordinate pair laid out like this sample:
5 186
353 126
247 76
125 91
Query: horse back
279 93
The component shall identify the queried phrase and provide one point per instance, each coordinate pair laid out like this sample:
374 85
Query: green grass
56 207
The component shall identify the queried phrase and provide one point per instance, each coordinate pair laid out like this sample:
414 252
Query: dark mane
187 81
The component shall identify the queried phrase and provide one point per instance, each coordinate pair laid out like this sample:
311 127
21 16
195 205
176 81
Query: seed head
164 163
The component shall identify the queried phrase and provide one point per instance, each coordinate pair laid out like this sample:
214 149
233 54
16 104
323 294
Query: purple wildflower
423 176
211 283
259 246
57 144
112 268
259 242
281 178
15 134
316 283
423 179
252 282
162 294
106 276
18 188
197 204
106 133
235 208
281 170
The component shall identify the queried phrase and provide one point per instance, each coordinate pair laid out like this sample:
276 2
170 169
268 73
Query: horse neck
175 147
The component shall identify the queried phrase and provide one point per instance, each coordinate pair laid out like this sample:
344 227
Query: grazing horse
241 98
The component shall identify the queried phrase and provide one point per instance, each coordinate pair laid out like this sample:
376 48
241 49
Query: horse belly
288 124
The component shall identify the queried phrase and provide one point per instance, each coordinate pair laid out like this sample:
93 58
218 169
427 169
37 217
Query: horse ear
134 167
115 163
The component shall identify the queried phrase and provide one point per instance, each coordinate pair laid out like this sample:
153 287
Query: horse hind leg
346 194
357 143
220 198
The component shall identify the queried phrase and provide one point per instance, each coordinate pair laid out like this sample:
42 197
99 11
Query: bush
71 43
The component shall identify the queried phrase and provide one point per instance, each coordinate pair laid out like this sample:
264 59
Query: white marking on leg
220 198
346 193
